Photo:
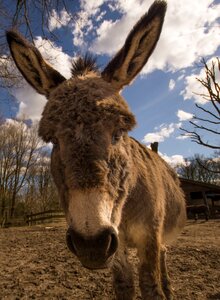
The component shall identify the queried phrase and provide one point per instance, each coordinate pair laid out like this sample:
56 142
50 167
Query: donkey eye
117 136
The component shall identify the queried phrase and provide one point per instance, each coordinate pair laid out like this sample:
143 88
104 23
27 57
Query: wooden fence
44 217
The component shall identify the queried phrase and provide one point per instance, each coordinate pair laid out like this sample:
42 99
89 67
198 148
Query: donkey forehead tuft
83 65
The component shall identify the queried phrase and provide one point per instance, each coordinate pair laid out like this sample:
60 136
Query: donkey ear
138 47
31 64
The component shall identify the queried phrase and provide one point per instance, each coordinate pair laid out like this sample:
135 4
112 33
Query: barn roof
189 185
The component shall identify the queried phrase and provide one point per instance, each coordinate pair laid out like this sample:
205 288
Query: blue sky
162 96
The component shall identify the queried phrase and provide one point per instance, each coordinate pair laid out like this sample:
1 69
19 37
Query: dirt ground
36 264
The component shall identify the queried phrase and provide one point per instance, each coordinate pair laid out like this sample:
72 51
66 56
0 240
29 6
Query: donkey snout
94 252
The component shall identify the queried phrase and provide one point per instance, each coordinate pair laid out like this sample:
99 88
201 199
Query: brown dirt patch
36 264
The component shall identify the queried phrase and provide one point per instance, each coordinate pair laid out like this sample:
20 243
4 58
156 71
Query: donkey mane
84 64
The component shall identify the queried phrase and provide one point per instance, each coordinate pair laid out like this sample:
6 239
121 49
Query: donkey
115 192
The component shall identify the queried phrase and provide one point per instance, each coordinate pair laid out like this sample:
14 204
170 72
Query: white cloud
100 16
194 88
171 84
83 25
184 137
91 6
164 132
191 30
184 116
31 104
55 56
111 34
56 20
106 35
173 160
180 77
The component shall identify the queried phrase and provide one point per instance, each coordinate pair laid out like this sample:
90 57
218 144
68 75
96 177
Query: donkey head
87 121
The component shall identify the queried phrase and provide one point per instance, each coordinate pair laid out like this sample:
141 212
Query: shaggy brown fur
115 192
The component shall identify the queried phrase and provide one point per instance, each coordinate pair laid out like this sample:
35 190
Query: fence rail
41 217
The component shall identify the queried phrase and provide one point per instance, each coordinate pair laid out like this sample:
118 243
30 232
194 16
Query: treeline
201 168
26 185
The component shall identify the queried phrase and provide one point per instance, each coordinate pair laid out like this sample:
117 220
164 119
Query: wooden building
201 198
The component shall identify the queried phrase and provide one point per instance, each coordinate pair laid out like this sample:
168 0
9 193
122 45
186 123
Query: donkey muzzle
94 252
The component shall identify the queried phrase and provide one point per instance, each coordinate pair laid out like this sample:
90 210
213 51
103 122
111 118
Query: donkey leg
123 281
165 279
149 272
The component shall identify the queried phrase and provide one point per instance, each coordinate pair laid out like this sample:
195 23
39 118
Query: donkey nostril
112 245
100 246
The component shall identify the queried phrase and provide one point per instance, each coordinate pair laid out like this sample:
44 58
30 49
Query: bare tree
22 15
18 153
209 119
200 168
40 192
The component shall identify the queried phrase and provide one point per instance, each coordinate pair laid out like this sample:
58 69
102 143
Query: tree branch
206 120
204 128
206 168
195 137
207 111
